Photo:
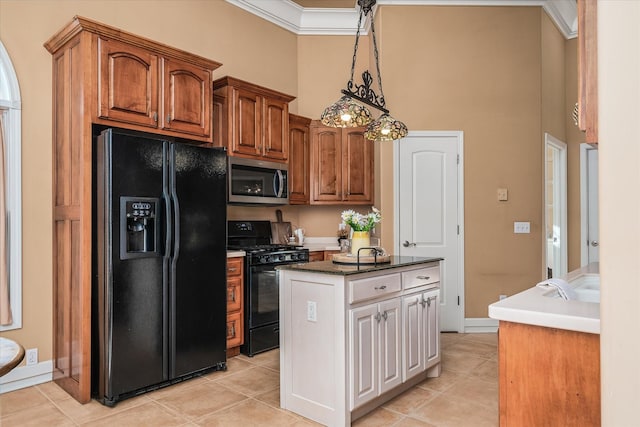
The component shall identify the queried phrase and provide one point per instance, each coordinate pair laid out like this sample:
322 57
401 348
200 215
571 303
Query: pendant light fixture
348 112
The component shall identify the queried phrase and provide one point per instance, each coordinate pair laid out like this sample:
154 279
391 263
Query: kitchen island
354 336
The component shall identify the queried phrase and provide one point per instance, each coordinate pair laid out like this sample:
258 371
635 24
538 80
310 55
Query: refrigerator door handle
176 204
166 198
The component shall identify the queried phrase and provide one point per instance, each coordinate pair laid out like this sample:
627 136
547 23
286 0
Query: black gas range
261 294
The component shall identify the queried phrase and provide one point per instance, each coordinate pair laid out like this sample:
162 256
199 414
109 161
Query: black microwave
254 181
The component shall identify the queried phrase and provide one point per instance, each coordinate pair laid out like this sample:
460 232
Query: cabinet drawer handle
155 116
423 277
378 316
384 315
168 118
380 287
232 270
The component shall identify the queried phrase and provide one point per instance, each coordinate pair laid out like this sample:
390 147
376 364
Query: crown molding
343 21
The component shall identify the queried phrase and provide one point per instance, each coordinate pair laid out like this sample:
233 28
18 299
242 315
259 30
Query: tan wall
552 111
249 47
477 70
467 68
574 137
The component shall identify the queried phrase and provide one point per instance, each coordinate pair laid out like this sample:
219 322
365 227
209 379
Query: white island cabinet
352 338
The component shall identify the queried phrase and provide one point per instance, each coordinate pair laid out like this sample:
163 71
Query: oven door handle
269 273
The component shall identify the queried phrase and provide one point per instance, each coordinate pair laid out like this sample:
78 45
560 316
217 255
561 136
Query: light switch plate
521 227
503 195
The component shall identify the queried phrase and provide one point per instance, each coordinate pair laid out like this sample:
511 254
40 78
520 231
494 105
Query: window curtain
5 305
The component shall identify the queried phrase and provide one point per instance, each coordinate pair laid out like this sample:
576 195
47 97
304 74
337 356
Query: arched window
11 214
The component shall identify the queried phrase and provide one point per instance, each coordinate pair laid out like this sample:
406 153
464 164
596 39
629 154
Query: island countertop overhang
329 267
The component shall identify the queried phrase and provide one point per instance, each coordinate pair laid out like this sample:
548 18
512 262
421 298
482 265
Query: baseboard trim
480 325
27 376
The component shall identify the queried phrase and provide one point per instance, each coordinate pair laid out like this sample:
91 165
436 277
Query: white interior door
429 212
555 196
589 204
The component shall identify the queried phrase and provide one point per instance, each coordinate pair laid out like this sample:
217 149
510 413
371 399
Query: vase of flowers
361 226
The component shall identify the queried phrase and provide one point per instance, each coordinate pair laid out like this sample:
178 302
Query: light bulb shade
346 113
385 128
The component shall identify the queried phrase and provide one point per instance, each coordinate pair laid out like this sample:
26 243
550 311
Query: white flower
359 222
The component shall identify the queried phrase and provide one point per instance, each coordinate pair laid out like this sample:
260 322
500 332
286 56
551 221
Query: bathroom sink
586 286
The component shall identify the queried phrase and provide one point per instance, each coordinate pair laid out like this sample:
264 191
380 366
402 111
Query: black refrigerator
159 259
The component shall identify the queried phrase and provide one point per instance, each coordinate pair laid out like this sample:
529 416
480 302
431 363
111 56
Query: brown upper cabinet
299 160
341 166
252 121
588 70
140 87
103 75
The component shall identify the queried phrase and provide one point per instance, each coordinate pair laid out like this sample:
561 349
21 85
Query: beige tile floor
247 394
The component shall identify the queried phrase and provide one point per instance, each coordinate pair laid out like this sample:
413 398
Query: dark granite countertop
329 267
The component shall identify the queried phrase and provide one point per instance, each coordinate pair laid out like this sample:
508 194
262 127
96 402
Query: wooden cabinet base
548 377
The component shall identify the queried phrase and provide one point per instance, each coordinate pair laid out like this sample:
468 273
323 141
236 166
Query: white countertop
534 308
235 254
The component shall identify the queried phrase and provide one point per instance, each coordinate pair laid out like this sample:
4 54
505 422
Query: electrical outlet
32 356
312 311
522 227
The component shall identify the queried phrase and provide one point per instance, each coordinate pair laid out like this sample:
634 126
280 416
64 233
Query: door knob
406 244
595 243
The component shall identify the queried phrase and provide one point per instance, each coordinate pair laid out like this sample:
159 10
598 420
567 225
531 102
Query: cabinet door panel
298 160
235 332
390 345
413 339
247 136
357 168
128 83
327 164
276 129
234 293
432 328
364 355
187 98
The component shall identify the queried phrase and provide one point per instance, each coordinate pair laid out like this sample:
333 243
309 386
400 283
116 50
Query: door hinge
458 299
457 159
458 230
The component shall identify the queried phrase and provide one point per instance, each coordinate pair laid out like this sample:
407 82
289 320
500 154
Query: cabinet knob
384 315
378 316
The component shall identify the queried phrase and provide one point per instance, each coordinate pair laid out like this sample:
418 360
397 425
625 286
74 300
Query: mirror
555 196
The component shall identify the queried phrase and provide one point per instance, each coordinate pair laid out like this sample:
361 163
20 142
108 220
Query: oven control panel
280 257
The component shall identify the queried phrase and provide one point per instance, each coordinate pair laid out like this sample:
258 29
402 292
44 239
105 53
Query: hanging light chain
355 50
375 55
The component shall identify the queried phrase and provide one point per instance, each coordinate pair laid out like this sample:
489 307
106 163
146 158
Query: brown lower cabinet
235 310
548 376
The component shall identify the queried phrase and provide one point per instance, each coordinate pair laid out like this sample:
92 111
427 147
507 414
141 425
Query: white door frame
584 203
460 220
561 191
